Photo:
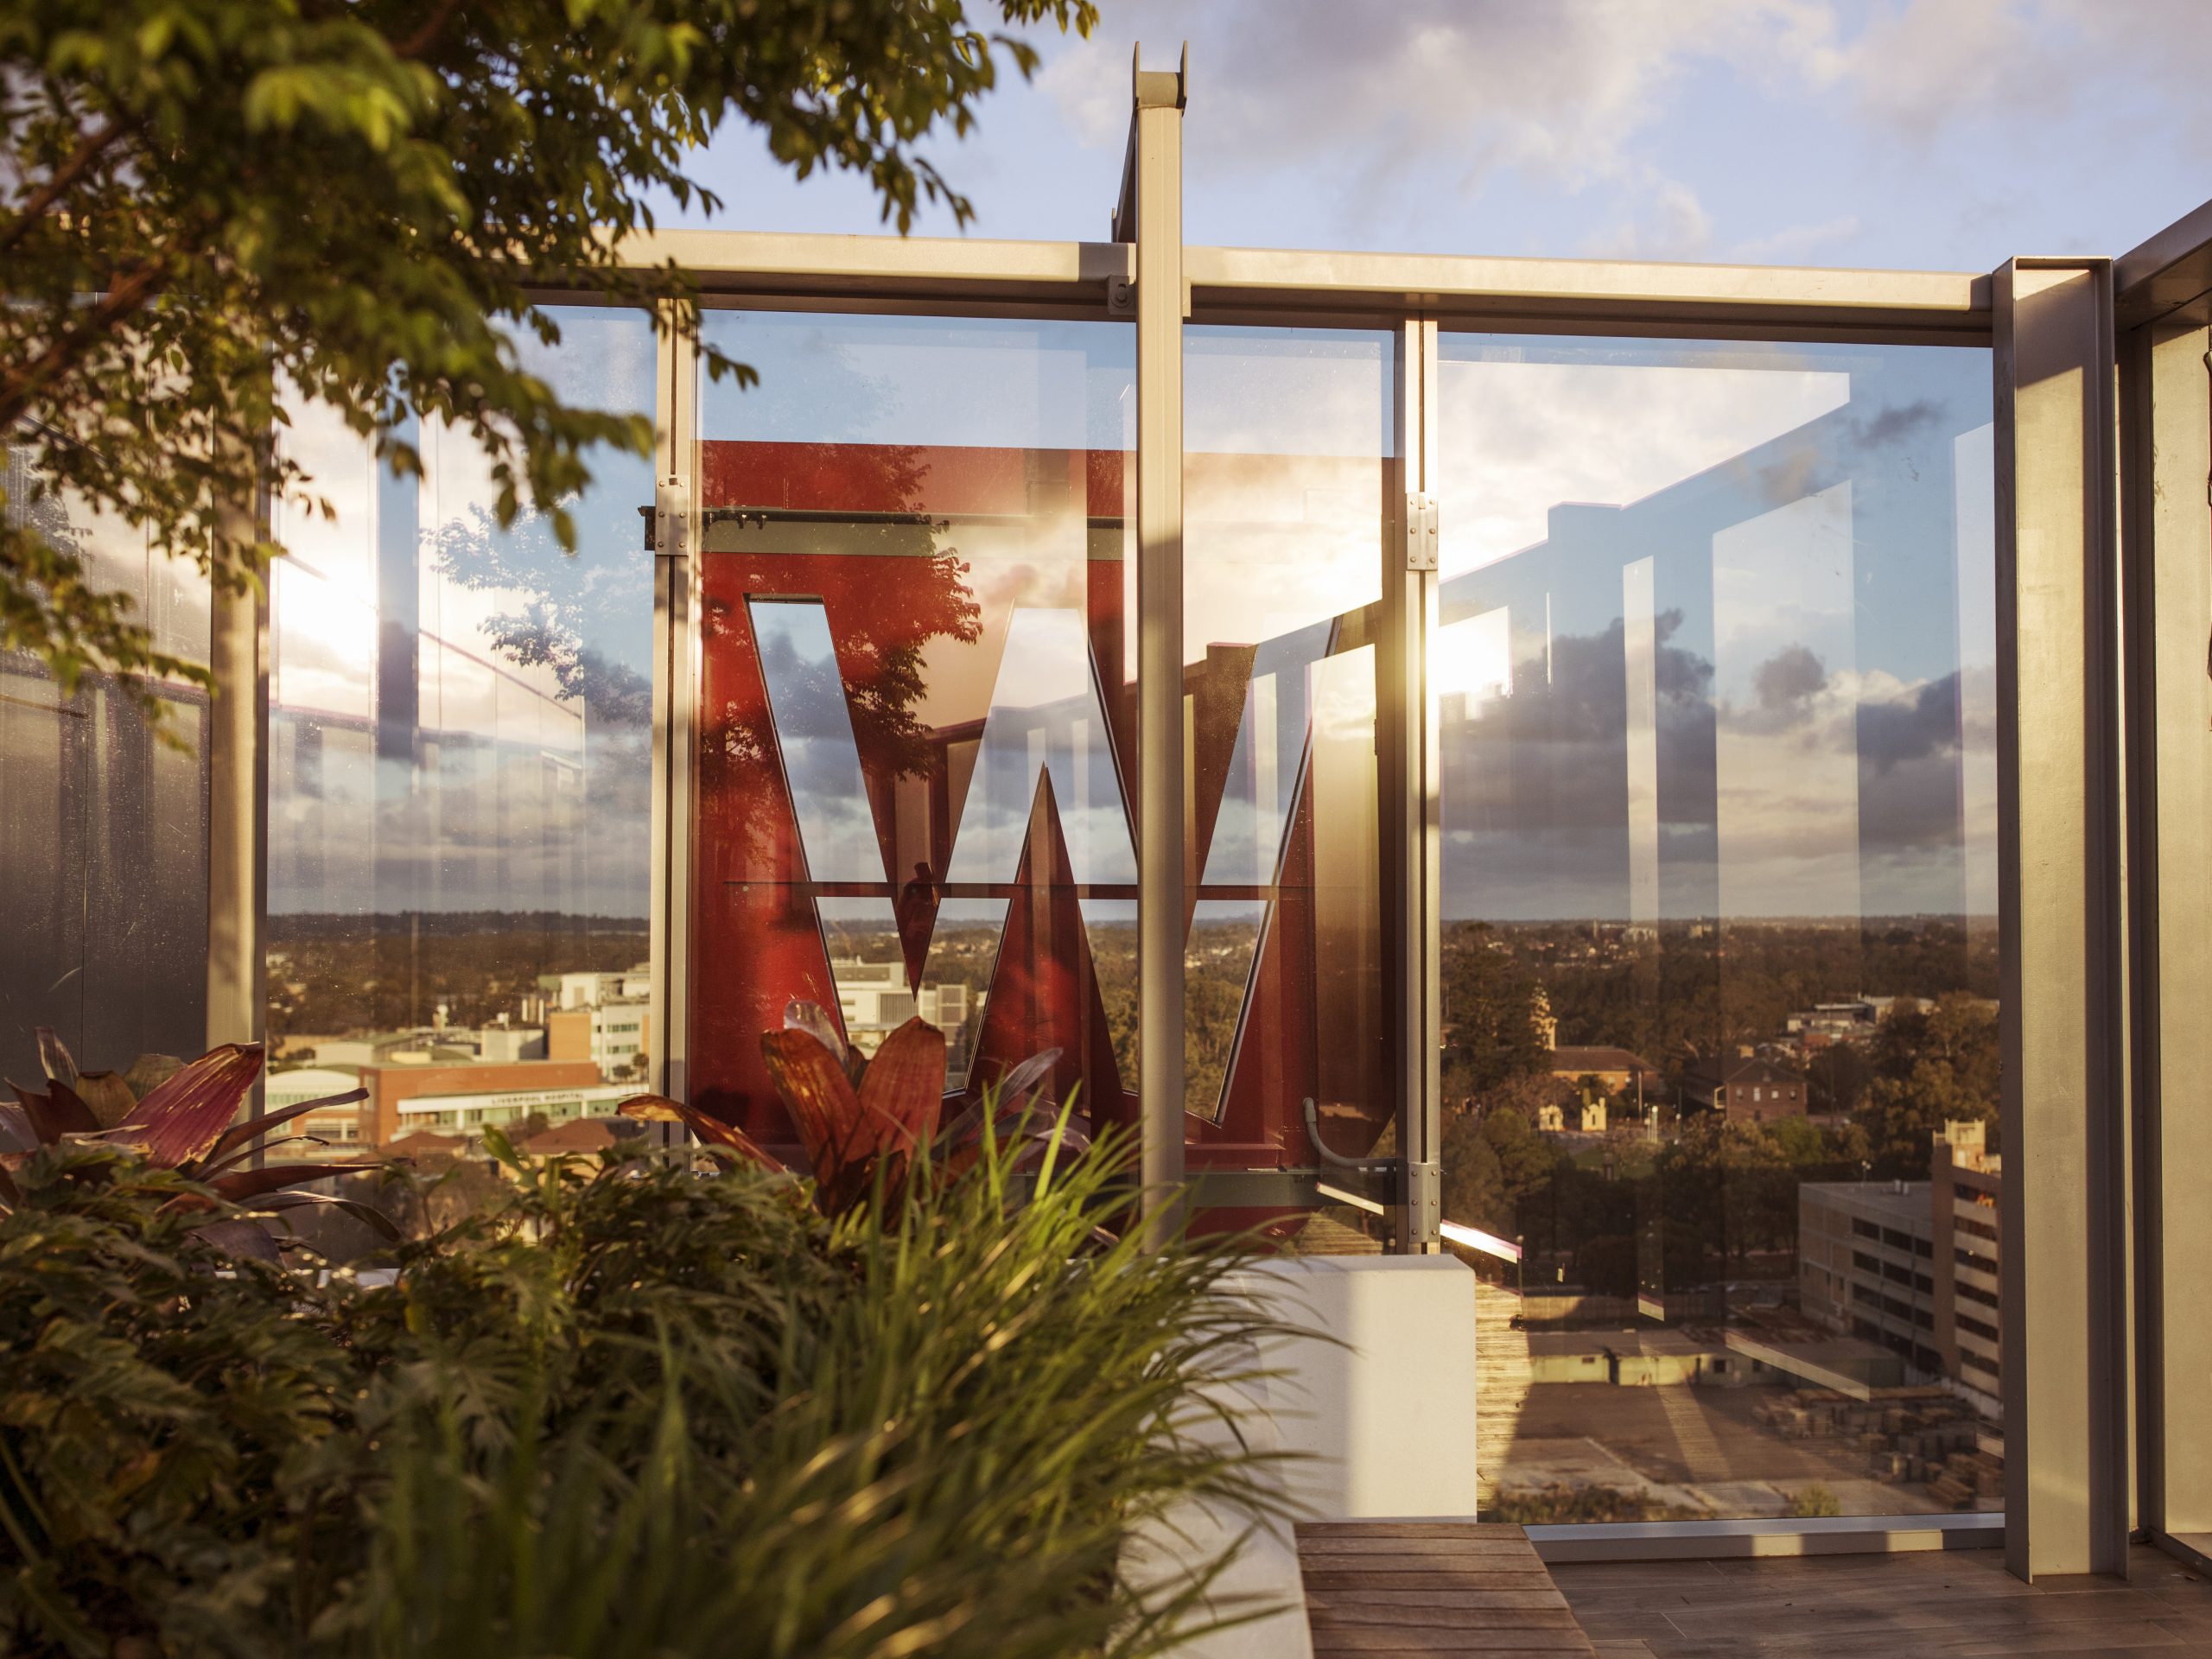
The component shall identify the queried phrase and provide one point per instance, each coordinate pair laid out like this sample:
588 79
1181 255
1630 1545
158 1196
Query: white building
874 1001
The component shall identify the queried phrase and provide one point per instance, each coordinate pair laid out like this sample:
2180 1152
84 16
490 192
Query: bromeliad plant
864 1122
178 1114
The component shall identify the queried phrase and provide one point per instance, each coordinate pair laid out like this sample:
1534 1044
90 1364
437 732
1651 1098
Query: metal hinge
671 518
1420 532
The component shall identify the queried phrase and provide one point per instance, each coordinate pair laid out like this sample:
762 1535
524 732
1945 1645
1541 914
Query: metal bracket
671 518
1121 297
1424 1197
1333 1160
1420 530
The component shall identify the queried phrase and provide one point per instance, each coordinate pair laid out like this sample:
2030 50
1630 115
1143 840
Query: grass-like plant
637 1411
946 1451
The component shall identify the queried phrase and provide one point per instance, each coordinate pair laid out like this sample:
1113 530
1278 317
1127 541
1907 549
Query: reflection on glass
1046 728
913 705
918 696
814 730
103 826
460 781
1217 969
1719 951
1287 435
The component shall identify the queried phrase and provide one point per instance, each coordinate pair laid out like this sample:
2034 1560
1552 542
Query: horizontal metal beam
1459 290
1263 284
2169 272
743 263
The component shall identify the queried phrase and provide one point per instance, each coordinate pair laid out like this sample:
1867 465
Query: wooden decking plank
1403 1589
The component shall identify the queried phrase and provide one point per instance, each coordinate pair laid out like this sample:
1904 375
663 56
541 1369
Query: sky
1921 134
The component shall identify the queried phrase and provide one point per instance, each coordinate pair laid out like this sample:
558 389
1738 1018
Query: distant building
472 1112
1967 1187
505 1044
583 989
1914 1264
337 1128
616 1036
1589 1115
1831 1022
1866 1264
1618 1070
422 1045
1748 1091
1643 1357
391 1088
873 999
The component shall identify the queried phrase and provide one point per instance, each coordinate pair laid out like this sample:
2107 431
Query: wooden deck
1957 1604
1404 1589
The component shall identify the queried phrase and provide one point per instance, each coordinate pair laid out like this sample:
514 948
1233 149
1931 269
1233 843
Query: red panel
759 943
944 480
1045 990
901 610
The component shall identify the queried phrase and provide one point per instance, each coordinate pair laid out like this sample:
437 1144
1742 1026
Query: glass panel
1718 663
1285 481
103 825
915 698
460 785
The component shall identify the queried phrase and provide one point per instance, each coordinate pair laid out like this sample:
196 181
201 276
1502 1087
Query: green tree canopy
203 202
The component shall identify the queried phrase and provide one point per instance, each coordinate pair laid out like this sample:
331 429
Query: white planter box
1382 1408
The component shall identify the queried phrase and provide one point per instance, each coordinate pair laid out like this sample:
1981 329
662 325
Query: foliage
1490 1001
633 1412
182 1116
1928 1067
156 1415
1815 1500
208 201
865 1121
1559 1504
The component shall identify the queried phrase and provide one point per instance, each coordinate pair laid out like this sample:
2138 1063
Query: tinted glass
460 786
914 720
103 823
1717 652
1286 474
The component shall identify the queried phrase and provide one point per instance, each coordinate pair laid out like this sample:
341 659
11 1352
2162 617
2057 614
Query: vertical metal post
237 818
675 454
1156 193
1406 717
2062 1213
2167 553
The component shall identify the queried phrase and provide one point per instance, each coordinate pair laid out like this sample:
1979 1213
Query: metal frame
1152 194
2062 1222
674 712
237 815
2052 324
2164 303
1413 298
1411 818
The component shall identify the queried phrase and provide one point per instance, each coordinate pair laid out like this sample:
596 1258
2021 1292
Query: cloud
1923 67
1787 680
1669 223
1796 242
1562 90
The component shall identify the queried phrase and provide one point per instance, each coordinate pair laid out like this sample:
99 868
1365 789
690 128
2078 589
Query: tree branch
87 151
419 42
124 296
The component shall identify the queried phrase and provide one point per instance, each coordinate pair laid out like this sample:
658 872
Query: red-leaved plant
861 1121
179 1116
